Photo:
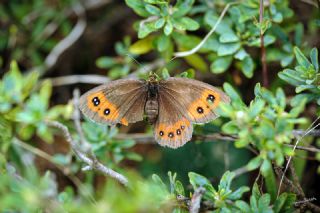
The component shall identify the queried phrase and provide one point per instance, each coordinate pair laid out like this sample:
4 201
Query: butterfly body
172 105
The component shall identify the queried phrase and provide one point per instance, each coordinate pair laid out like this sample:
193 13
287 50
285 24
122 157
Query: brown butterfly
172 105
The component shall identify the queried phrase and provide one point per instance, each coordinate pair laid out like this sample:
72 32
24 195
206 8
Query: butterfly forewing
194 99
120 101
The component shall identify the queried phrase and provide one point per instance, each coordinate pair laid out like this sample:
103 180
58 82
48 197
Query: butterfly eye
182 127
211 98
178 132
200 110
170 135
96 101
161 133
106 111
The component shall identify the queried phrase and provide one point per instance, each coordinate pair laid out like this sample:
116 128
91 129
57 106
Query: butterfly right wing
172 128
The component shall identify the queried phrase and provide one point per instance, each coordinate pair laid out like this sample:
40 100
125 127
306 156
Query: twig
91 163
241 171
75 180
142 138
295 147
196 48
100 79
67 42
263 50
196 200
76 79
293 188
85 146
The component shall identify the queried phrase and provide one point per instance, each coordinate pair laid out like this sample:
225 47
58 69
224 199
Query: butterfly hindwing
196 100
172 128
120 101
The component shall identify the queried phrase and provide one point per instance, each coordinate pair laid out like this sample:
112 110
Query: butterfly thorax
151 108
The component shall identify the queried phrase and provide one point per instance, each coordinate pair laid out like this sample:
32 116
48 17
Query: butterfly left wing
195 99
120 101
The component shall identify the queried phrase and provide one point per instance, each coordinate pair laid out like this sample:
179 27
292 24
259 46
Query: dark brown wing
172 128
120 101
196 100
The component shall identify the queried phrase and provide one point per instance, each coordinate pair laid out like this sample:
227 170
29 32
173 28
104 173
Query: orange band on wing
97 102
124 121
201 107
176 130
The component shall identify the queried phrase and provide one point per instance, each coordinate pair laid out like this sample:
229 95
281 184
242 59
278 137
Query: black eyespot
106 111
178 132
161 133
200 110
96 101
170 135
182 127
211 98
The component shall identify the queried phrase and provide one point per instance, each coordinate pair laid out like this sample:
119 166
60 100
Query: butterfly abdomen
152 108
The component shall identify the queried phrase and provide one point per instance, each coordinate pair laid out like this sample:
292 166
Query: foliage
263 124
305 76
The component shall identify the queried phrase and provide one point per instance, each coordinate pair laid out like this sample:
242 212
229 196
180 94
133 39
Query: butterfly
172 105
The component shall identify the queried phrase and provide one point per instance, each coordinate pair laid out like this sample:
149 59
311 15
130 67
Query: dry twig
92 163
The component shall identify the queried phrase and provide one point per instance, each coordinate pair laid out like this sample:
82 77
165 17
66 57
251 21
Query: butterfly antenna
137 62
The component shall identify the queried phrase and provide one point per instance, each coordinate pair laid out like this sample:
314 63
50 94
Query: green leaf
189 24
165 73
159 23
280 202
197 62
230 127
247 67
241 54
138 7
243 206
254 163
236 195
225 180
228 48
267 39
182 7
179 188
158 181
221 64
314 58
302 60
163 42
263 204
228 37
197 181
231 92
256 107
267 172
168 28
142 46
152 9
105 62
146 28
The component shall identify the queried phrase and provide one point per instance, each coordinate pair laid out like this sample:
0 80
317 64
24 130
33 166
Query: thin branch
143 138
195 49
85 146
292 187
100 79
91 163
76 79
295 147
67 42
196 200
263 50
